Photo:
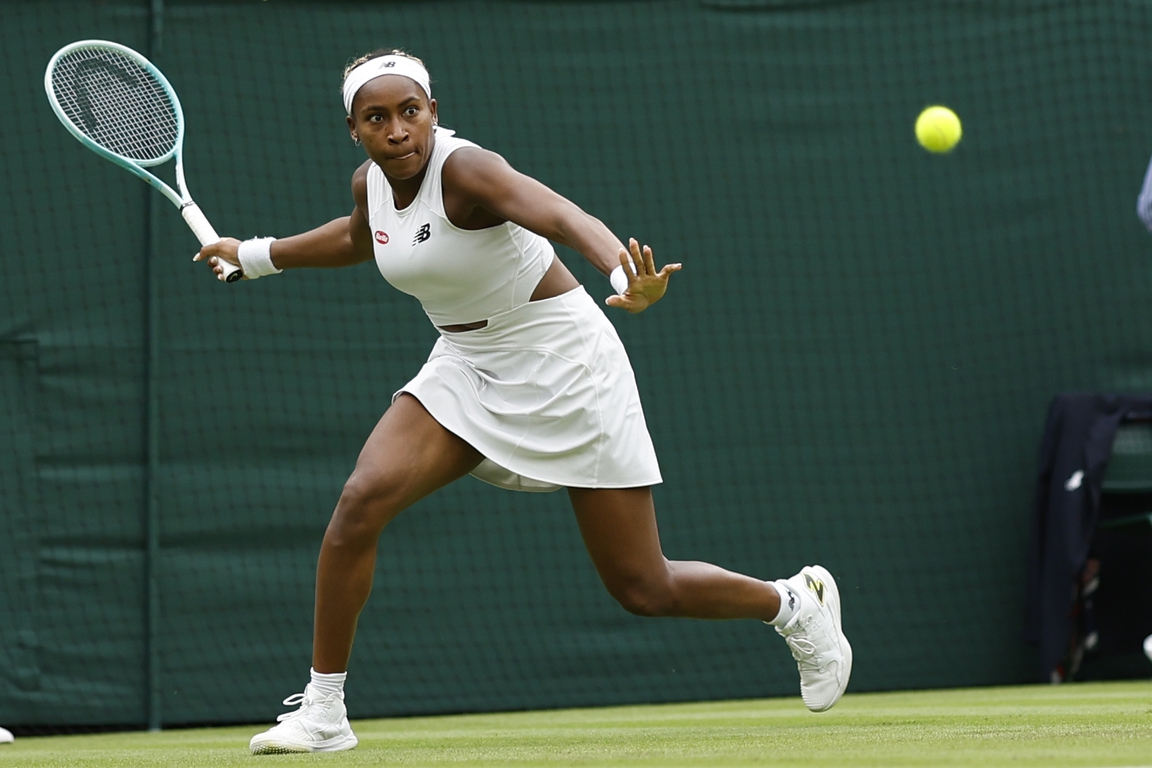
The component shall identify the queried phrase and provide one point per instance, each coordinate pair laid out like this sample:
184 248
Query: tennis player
528 388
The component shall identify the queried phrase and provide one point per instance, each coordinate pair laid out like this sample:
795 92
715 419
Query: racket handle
204 232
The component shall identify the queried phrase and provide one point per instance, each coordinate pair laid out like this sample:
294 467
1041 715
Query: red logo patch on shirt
381 237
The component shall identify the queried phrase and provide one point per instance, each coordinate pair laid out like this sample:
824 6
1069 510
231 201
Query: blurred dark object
1089 598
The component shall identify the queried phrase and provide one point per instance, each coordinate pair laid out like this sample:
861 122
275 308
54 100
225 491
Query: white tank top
459 276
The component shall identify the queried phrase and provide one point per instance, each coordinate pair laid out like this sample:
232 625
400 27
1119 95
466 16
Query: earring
356 140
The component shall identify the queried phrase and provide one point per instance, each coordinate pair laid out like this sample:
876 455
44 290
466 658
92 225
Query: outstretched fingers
637 257
646 284
640 258
643 261
649 261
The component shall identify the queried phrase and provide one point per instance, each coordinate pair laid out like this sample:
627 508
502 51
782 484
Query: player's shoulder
470 165
360 183
360 175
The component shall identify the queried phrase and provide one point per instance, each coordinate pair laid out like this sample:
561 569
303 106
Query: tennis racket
120 106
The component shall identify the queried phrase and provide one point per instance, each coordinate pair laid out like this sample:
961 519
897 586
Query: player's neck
404 191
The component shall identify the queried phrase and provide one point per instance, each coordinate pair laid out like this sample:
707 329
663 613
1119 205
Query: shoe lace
303 699
803 647
804 651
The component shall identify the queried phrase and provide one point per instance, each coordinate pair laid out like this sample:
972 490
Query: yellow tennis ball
938 129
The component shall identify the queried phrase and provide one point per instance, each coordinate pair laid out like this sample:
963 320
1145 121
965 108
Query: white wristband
256 258
619 280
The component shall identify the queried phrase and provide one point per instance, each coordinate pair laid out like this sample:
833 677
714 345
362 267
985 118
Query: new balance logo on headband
422 234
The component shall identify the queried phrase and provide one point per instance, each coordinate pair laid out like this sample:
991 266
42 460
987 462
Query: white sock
789 603
326 685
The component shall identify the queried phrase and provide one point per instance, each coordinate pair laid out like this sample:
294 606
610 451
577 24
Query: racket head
115 102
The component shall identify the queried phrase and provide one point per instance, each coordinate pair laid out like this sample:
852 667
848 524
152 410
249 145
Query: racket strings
116 103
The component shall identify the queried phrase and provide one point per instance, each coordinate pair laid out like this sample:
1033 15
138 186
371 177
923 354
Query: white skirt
546 393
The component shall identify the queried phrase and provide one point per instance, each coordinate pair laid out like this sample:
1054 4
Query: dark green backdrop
852 369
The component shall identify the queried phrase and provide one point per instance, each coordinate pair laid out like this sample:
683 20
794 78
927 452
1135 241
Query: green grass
1095 724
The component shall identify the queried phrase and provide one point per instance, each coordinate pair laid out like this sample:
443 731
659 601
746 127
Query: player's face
393 118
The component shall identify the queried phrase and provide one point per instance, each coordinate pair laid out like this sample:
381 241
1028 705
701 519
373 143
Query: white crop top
459 276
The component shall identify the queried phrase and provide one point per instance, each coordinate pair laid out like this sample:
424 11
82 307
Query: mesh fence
852 369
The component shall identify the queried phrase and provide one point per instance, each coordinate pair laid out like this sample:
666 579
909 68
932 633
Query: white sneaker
822 653
6 736
319 725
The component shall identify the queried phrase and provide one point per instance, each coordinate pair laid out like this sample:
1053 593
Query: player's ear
432 109
352 129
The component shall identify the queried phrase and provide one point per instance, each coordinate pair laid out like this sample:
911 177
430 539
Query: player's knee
363 510
644 597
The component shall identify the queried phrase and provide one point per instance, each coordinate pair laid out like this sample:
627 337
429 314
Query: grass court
1086 724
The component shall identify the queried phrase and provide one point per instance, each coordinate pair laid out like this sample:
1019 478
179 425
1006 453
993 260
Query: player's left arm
485 180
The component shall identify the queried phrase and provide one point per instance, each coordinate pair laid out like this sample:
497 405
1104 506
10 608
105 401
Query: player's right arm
339 243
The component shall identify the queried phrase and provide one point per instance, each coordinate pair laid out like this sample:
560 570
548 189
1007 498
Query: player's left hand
646 285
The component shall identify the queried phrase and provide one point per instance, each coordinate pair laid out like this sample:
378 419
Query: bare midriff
556 280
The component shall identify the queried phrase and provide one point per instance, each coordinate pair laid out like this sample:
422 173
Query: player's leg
620 532
407 456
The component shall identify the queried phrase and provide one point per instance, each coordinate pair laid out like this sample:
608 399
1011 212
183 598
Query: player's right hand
225 249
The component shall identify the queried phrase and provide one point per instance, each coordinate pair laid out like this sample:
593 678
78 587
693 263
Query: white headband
380 66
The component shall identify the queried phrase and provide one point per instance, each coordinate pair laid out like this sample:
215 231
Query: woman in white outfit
527 388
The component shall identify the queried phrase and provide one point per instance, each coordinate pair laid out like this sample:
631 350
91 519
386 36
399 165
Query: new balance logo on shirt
422 234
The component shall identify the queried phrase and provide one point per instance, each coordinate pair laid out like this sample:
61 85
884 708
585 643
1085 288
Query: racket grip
204 232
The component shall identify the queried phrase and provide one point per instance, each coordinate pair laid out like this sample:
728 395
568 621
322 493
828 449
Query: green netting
852 369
